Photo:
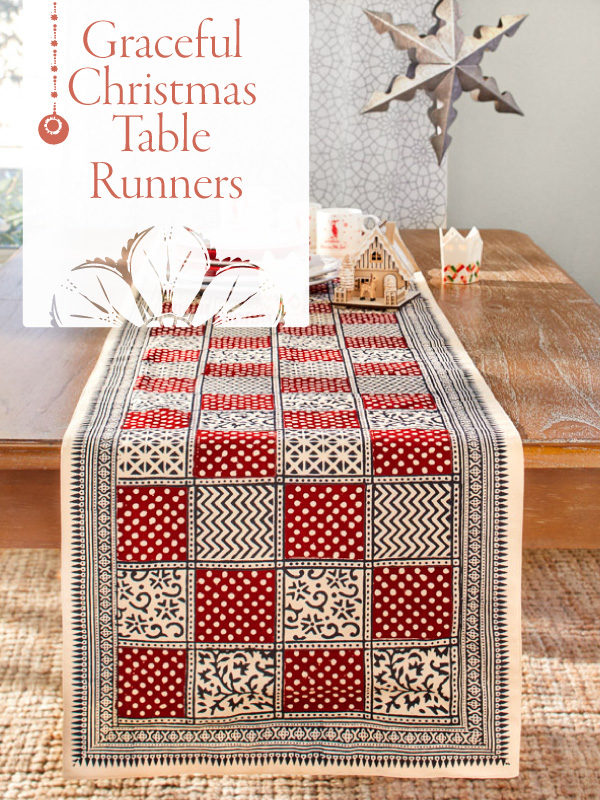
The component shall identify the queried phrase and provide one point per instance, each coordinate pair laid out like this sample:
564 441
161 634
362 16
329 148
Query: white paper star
444 63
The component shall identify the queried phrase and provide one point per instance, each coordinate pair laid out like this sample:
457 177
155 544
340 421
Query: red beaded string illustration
53 128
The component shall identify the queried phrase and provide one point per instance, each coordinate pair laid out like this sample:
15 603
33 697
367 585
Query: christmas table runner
292 551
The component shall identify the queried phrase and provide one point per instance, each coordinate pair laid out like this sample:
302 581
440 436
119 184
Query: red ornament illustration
53 128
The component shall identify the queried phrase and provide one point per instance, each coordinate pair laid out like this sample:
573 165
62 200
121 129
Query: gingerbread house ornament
378 275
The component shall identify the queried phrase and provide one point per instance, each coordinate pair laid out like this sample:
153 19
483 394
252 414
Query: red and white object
460 256
340 230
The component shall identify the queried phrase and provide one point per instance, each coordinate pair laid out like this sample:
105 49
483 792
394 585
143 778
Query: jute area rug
560 756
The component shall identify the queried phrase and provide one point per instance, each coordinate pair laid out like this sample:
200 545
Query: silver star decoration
444 63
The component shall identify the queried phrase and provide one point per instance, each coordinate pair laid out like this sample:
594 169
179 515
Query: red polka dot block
152 523
239 342
176 330
308 384
411 452
390 342
416 402
368 317
320 419
324 521
311 330
158 355
412 602
235 454
323 680
237 402
396 368
146 383
319 307
244 370
302 356
156 418
151 682
235 605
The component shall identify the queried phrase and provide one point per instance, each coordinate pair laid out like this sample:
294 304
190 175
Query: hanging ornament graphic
53 128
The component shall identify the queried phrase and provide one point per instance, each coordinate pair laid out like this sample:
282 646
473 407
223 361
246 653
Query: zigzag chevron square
412 520
234 523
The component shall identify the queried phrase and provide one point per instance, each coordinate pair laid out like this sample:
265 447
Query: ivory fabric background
382 162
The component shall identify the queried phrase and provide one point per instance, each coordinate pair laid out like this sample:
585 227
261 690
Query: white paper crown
456 249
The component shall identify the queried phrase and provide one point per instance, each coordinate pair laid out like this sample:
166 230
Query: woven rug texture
560 754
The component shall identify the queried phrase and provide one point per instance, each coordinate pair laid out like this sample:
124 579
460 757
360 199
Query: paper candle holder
460 256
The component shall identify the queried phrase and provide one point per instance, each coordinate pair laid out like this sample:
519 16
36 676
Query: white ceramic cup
340 230
312 221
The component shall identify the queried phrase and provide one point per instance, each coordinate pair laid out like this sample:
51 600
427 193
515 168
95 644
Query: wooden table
531 330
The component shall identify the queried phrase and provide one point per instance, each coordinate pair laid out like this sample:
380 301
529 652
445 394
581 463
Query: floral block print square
235 454
237 420
151 604
411 452
324 521
235 523
323 604
412 602
412 681
152 523
235 605
151 682
323 680
234 683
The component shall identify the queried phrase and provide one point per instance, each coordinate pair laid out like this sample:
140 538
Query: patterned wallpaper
382 162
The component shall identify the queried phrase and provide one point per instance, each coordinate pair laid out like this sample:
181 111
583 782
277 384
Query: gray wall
540 173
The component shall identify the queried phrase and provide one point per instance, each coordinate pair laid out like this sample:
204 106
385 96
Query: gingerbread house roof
392 242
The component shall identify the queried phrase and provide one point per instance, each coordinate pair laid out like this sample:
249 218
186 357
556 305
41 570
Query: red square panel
237 402
311 330
416 402
319 307
324 521
323 680
239 342
235 605
376 341
244 370
235 454
320 419
367 317
167 330
152 523
151 682
146 383
412 602
301 356
165 355
157 418
411 452
397 368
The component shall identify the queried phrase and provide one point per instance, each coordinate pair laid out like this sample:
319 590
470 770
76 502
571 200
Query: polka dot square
323 680
152 523
151 682
235 605
411 452
412 602
235 454
324 521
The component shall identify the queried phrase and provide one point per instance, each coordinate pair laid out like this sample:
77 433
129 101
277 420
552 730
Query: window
11 180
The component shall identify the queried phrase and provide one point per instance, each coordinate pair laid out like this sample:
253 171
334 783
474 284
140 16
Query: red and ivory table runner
292 551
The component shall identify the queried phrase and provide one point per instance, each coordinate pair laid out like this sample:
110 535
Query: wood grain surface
530 329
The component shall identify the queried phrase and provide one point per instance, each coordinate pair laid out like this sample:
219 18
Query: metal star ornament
444 63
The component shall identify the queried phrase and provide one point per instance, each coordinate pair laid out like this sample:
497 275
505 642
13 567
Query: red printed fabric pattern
287 555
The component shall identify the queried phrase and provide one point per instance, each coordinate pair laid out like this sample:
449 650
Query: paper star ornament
444 63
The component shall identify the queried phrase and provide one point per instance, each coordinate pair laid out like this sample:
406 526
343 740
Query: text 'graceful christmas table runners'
292 551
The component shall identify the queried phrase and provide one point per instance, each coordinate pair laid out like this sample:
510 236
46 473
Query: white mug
340 230
312 230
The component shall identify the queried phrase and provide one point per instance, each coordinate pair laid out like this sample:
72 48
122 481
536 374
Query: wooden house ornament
378 275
